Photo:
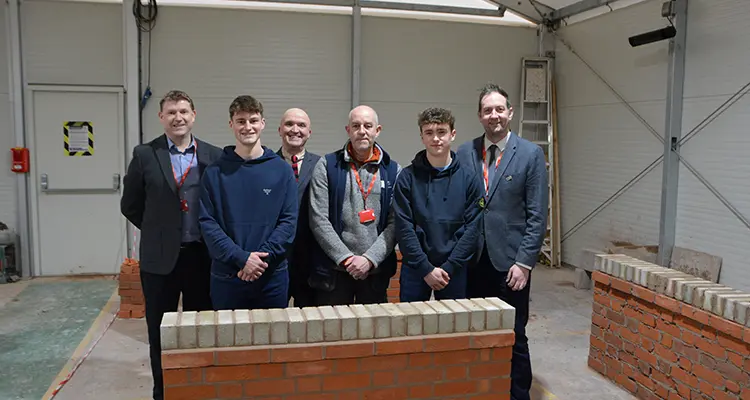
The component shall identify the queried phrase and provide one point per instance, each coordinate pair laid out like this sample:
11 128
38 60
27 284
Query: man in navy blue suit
513 174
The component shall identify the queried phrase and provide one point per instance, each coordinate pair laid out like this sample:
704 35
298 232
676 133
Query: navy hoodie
248 206
437 215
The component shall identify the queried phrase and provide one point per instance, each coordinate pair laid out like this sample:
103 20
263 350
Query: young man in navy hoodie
249 216
438 206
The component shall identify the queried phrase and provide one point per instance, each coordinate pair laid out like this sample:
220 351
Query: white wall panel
72 43
283 59
602 144
718 54
8 207
408 66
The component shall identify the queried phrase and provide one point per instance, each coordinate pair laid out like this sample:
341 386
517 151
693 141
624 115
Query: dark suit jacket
151 203
301 254
515 214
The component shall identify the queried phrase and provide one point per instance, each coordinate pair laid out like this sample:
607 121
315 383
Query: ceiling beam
433 8
577 8
525 9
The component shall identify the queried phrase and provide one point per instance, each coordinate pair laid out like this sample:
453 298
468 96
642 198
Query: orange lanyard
484 168
361 188
187 170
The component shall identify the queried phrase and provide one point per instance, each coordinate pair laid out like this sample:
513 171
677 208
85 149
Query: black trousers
190 277
485 281
347 290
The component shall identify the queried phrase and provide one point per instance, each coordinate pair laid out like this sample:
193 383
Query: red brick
597 365
650 333
175 376
712 348
602 299
309 368
456 357
420 360
231 356
410 376
381 363
708 375
667 303
733 387
383 378
733 344
698 315
600 321
622 286
294 353
489 370
349 350
626 382
600 277
309 384
420 392
230 391
231 373
455 373
268 371
492 339
447 389
446 343
643 293
729 328
502 354
382 394
192 359
399 346
269 387
345 366
190 392
346 382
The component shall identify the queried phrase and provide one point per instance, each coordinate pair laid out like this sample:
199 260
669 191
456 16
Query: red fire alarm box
20 159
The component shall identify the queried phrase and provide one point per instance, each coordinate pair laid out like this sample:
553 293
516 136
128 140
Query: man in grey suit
161 198
295 130
513 173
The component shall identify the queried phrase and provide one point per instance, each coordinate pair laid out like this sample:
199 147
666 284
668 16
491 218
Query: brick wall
446 349
663 334
394 288
132 304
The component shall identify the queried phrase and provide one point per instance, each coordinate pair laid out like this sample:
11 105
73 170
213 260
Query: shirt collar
172 146
288 156
500 145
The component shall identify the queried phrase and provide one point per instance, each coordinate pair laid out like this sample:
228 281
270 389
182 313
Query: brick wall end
132 302
663 334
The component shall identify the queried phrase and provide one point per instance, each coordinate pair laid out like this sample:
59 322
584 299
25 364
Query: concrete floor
117 368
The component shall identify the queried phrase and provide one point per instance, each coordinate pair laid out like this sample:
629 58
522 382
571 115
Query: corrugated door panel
718 54
409 65
285 59
602 144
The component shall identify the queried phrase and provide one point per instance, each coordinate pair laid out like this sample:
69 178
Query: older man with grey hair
352 221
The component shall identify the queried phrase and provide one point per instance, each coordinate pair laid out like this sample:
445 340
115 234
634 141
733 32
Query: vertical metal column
23 254
356 51
131 61
672 133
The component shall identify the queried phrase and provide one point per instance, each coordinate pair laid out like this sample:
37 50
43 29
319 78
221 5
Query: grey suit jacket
515 213
150 201
300 257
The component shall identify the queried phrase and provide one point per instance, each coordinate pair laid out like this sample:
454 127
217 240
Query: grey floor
558 331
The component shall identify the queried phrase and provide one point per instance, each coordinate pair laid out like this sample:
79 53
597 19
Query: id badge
366 216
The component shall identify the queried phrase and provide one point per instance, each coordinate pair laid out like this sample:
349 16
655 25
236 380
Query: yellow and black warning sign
78 138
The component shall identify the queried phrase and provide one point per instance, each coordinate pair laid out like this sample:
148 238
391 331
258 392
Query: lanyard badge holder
183 203
368 214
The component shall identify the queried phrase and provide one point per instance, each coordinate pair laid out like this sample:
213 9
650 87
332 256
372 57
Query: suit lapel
204 156
477 156
162 154
510 151
307 168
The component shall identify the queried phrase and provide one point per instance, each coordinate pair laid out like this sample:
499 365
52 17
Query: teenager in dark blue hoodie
438 208
248 216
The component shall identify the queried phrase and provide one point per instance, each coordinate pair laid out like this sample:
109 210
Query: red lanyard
187 170
484 168
361 188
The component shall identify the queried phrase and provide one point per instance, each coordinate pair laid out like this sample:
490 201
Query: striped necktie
295 167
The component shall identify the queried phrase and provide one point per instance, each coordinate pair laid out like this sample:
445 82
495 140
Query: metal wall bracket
44 183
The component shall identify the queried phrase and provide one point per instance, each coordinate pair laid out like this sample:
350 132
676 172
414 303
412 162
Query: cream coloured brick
446 319
429 317
674 284
331 324
398 319
684 289
726 304
413 319
314 324
658 280
742 313
187 331
279 326
366 329
261 322
476 315
243 330
492 312
225 328
206 329
507 313
168 331
460 314
702 296
297 325
382 320
348 322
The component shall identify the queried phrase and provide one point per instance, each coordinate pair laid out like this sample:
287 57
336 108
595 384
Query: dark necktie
491 166
295 167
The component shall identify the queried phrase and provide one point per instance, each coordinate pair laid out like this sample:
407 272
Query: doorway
76 138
